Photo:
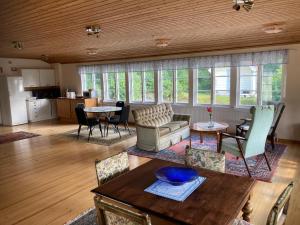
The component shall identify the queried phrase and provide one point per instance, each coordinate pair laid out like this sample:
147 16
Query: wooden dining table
218 201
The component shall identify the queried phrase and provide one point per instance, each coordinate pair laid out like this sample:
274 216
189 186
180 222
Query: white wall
289 127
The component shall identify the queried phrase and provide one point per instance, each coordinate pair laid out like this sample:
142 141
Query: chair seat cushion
163 131
230 145
172 126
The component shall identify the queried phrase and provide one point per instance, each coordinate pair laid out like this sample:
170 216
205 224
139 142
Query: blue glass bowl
176 175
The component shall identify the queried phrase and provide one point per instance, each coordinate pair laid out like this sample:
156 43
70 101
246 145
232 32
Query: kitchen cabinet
40 109
66 108
38 77
31 77
47 78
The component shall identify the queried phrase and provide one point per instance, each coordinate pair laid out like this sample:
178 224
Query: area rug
16 136
86 218
111 138
257 164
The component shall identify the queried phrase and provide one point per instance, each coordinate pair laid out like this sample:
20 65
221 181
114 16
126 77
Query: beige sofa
158 127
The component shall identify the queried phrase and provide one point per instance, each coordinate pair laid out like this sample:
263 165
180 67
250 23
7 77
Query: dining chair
109 211
254 142
241 129
119 104
278 213
121 119
84 120
205 158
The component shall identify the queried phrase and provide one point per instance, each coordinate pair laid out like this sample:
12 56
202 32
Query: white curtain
229 60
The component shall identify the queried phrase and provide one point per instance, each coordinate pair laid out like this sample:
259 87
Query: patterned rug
112 137
257 165
16 136
86 218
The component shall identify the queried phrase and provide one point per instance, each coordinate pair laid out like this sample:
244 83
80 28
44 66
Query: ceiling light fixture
93 30
273 28
246 4
17 45
162 42
92 51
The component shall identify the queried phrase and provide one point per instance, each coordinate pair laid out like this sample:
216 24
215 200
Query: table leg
201 137
247 210
218 141
190 140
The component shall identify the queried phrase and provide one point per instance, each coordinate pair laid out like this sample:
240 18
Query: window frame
117 91
143 87
83 83
174 87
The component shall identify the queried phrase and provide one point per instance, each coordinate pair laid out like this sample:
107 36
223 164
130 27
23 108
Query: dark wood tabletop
216 202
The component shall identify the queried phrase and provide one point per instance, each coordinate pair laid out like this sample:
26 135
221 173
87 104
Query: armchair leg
267 162
100 128
273 142
242 154
246 165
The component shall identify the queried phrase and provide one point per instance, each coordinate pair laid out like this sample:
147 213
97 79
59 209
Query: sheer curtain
228 60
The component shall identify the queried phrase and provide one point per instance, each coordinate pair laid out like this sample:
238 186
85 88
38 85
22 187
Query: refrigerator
13 101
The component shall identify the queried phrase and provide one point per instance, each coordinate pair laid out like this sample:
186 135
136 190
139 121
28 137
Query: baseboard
288 141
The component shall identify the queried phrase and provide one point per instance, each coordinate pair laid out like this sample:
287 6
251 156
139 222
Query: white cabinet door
47 77
31 77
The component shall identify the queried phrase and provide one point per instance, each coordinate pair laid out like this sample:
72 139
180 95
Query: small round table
203 128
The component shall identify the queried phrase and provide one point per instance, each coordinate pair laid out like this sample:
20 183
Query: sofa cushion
181 123
163 131
172 126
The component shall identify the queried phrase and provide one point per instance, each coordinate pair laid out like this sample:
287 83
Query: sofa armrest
182 117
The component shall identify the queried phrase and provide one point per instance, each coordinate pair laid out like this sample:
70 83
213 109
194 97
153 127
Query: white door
31 77
47 77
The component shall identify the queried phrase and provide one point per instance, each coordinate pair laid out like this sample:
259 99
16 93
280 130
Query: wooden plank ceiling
56 28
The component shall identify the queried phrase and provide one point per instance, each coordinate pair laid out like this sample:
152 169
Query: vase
210 123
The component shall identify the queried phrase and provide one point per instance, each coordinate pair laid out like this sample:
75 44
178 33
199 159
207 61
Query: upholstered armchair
109 211
255 140
242 128
158 127
205 158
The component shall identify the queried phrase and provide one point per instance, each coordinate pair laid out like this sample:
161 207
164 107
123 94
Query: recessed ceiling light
162 42
93 30
17 45
273 28
92 51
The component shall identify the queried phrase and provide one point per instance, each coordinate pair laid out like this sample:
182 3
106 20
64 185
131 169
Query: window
272 82
248 85
142 86
182 86
222 86
175 83
115 88
204 86
91 81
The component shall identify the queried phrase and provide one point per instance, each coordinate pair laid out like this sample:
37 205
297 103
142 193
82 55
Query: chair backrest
262 117
111 167
279 108
205 158
119 104
277 215
111 212
125 114
81 114
155 115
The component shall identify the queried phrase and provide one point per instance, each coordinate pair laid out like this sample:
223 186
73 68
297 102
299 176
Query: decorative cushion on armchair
205 158
158 127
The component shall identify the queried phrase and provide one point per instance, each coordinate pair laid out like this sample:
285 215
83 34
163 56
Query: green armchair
255 140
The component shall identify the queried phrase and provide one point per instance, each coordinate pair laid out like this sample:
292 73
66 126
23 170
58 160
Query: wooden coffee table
203 128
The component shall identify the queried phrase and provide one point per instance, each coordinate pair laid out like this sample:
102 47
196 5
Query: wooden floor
47 179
